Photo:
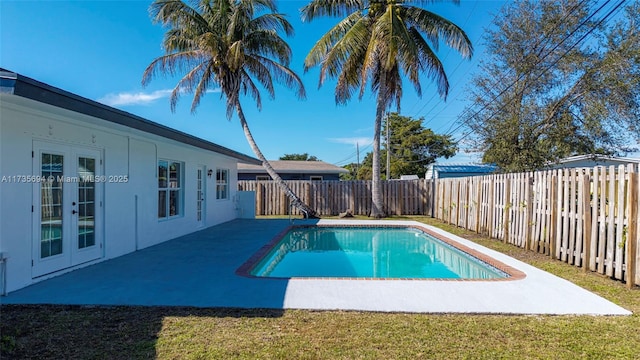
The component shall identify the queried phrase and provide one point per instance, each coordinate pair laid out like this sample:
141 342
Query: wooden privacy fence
584 217
329 198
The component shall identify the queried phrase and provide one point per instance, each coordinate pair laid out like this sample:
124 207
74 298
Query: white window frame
167 185
222 184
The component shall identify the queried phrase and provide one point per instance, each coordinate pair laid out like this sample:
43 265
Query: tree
299 157
231 44
352 174
380 42
413 148
547 92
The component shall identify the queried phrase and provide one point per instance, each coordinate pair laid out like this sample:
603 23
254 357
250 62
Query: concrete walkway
199 270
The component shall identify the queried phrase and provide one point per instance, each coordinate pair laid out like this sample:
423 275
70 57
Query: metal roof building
440 171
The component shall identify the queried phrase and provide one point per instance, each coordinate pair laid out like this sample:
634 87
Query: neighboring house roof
598 158
19 85
293 166
409 177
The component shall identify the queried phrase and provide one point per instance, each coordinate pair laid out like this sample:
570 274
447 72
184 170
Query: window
315 178
222 184
169 188
263 178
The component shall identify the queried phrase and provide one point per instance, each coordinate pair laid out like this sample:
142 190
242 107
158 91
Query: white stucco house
82 182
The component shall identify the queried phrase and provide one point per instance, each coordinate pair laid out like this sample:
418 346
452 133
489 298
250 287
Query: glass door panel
200 196
87 244
51 209
86 202
51 202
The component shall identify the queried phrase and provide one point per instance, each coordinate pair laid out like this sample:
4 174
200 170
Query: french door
67 209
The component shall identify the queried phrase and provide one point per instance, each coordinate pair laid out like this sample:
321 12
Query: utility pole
388 150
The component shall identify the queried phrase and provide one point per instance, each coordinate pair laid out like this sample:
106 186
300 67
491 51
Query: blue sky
99 50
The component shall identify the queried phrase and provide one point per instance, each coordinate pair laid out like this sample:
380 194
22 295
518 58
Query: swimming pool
371 252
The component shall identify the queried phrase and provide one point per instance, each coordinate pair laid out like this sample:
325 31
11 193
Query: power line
537 44
348 159
544 70
611 12
540 43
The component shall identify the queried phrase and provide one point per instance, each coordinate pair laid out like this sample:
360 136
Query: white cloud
139 98
362 141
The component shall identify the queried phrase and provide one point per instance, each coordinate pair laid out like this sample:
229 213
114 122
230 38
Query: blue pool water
371 252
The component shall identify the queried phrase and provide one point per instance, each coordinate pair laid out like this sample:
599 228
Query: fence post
433 197
442 205
457 207
307 190
450 201
352 200
554 215
632 239
399 197
467 202
476 227
492 204
259 199
586 220
595 199
529 224
506 215
284 209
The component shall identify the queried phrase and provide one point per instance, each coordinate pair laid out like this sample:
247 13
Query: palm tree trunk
377 206
295 200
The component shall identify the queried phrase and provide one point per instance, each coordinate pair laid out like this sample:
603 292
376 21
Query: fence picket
595 206
620 221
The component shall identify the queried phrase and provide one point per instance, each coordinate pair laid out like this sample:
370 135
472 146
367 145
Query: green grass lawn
58 332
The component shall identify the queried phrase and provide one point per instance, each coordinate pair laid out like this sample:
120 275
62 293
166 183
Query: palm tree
230 44
380 42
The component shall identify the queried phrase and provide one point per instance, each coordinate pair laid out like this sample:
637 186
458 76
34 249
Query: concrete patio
199 270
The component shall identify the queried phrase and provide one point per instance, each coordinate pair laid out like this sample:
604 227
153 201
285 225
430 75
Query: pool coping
513 273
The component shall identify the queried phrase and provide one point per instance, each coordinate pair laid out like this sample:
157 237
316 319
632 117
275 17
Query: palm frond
260 71
435 27
430 63
277 72
249 86
171 64
186 84
175 13
350 78
333 8
267 43
327 41
274 22
348 44
207 78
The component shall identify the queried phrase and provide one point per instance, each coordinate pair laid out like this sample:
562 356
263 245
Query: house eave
19 85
